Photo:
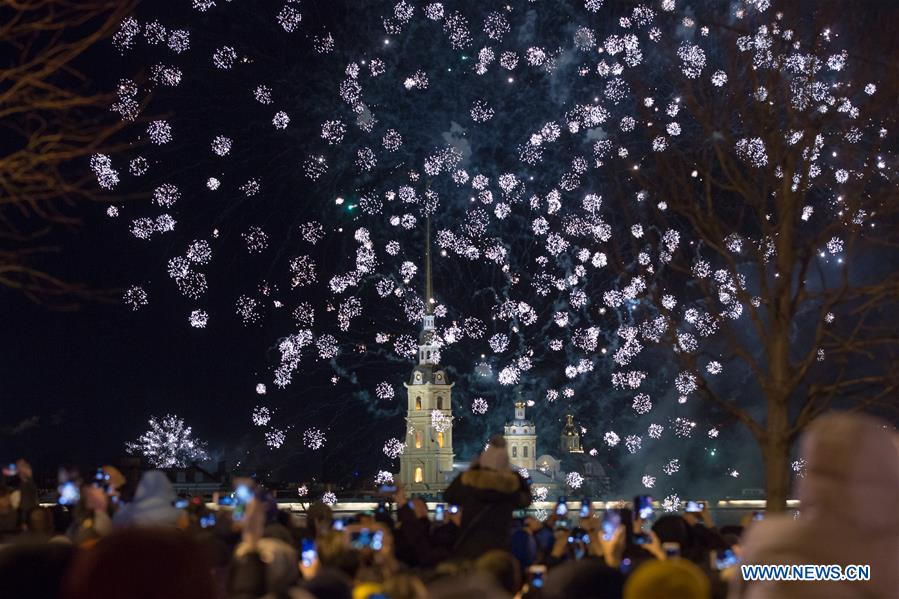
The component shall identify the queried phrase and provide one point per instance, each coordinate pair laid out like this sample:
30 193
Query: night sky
76 385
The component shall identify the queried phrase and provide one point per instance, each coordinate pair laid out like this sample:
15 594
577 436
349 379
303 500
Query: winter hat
495 457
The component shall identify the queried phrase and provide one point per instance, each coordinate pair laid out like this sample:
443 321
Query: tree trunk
776 452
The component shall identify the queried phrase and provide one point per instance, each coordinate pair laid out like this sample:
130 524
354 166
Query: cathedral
426 464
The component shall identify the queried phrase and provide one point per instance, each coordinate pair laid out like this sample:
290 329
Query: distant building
196 480
548 474
521 439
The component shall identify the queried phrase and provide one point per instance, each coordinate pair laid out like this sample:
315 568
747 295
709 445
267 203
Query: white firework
169 443
275 438
261 416
574 480
393 448
313 438
383 478
648 481
633 443
671 503
135 297
642 403
440 422
671 467
384 390
479 405
329 499
198 319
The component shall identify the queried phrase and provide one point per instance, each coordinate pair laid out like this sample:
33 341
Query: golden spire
429 286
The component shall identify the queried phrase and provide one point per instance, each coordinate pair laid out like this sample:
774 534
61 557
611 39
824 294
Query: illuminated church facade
426 464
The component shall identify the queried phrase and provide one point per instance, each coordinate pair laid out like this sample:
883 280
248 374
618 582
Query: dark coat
487 498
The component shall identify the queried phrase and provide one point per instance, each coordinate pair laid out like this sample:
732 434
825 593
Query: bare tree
52 120
786 199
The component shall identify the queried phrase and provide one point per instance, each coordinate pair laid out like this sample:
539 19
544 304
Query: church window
525 451
439 439
419 476
417 439
439 403
418 402
514 451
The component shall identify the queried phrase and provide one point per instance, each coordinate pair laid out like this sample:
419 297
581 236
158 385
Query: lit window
439 439
417 439
418 403
419 476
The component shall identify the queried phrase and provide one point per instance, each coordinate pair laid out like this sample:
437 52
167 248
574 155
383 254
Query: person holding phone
629 540
697 512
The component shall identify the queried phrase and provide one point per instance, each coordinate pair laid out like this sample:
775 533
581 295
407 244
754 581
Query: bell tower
427 462
570 439
521 439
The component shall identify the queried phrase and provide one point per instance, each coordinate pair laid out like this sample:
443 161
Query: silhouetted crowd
93 543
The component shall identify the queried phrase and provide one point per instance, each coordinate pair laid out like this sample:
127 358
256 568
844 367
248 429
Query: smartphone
338 524
242 496
454 509
611 520
585 508
69 493
694 507
11 469
207 521
579 535
562 507
387 489
641 538
366 539
308 553
758 515
439 511
579 539
227 500
181 504
725 558
382 508
562 524
535 576
643 507
671 549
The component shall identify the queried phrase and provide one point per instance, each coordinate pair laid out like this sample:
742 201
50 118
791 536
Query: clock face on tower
439 377
417 377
